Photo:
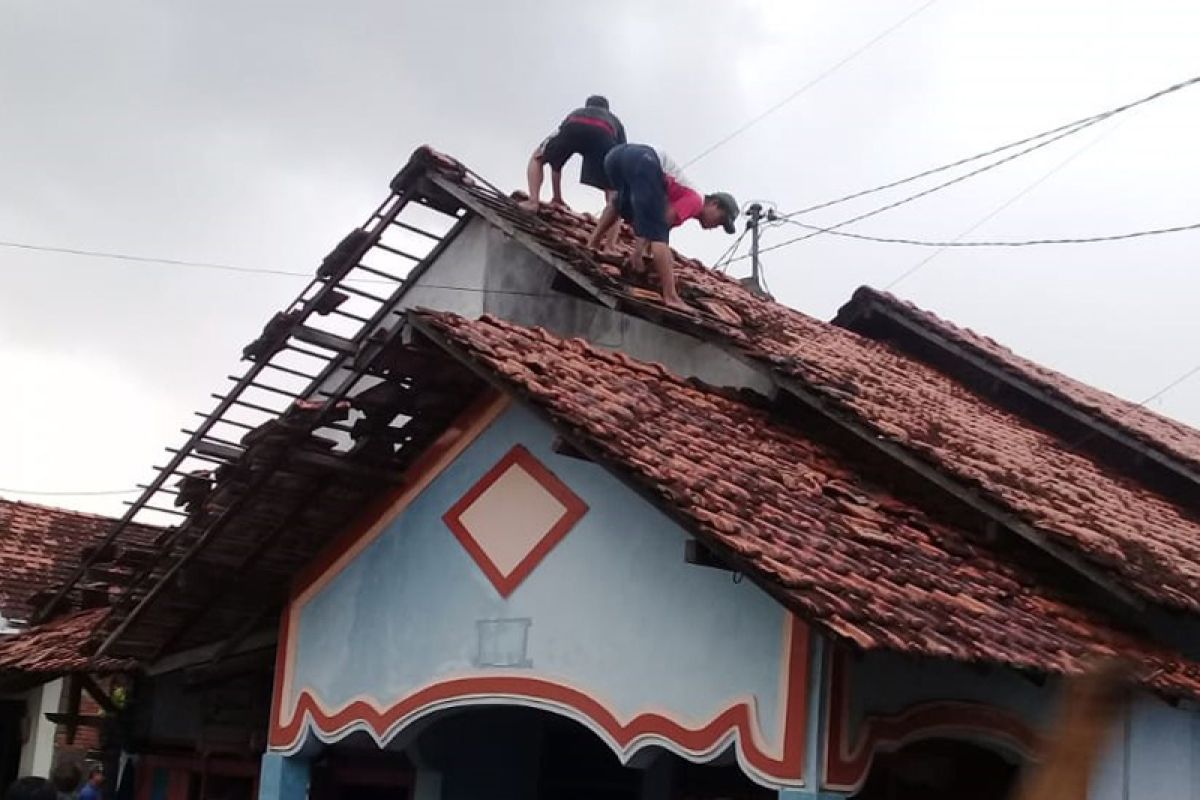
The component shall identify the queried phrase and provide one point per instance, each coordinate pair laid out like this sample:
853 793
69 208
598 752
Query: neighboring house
509 527
39 547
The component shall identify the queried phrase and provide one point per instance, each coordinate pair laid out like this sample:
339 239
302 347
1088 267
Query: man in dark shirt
66 776
591 132
30 789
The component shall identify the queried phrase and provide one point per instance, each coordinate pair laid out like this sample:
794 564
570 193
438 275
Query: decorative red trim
847 766
574 507
786 768
464 430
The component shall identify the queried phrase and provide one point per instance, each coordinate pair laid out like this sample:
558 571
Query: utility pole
754 217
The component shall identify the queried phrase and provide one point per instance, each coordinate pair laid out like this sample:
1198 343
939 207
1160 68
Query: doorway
940 769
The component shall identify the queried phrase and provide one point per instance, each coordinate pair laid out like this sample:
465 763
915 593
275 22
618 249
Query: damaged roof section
324 418
60 646
1125 538
336 402
785 509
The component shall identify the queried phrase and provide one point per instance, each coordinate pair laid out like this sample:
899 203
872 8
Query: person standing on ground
30 788
590 132
91 790
652 194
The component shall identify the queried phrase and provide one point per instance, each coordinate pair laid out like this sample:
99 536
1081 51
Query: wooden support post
102 698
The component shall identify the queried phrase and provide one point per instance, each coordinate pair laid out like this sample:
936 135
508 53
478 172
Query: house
39 545
483 517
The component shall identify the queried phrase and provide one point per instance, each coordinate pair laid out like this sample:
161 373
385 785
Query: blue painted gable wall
615 609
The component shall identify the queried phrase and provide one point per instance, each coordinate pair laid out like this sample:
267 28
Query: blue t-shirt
90 792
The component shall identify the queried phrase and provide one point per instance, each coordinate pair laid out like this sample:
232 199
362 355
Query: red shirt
685 201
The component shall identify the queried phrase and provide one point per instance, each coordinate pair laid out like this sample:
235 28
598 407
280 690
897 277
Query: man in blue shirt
91 790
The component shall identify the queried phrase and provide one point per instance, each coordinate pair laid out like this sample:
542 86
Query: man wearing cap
654 196
591 132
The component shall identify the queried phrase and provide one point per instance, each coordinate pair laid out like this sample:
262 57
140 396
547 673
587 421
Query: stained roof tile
1164 433
58 646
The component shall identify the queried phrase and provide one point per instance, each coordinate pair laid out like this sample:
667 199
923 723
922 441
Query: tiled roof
58 646
39 546
1160 432
1140 538
855 560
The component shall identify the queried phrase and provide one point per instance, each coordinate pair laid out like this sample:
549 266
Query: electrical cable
920 265
730 251
1115 237
1080 123
751 123
38 493
918 195
249 270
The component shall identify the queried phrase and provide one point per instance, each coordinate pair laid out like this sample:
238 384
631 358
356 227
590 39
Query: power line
1079 123
754 121
920 265
250 270
37 493
1021 243
1181 379
1059 133
147 259
817 231
730 251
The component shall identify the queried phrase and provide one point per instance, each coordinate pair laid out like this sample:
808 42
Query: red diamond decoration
513 517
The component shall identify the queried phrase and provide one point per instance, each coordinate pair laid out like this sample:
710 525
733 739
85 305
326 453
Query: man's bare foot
558 202
529 205
675 301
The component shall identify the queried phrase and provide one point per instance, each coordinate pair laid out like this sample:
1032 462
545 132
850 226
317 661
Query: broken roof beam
228 577
219 450
324 339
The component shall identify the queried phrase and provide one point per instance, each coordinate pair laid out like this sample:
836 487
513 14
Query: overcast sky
258 133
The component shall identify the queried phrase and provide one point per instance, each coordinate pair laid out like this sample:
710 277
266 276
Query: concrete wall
490 273
1154 755
513 274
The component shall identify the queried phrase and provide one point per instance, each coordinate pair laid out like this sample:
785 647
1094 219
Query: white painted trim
37 749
